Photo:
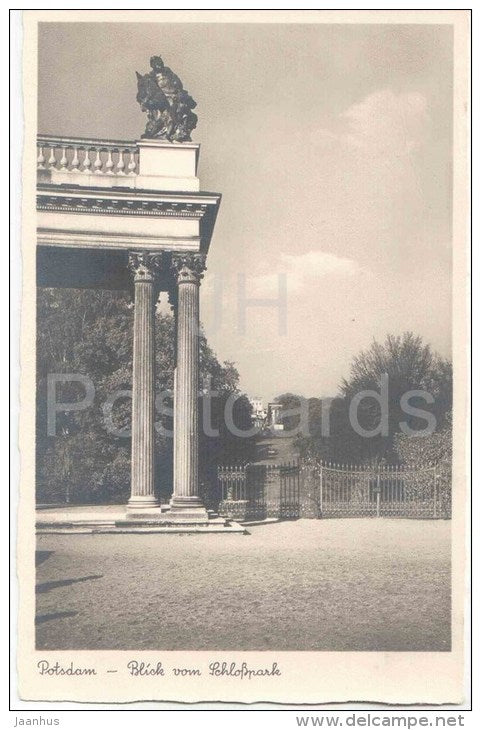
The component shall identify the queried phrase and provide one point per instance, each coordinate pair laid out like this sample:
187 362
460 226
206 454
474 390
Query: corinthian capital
188 267
145 266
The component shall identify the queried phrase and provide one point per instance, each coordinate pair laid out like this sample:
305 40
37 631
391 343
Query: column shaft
186 436
187 387
143 384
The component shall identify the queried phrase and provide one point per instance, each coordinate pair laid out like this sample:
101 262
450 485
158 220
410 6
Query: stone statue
168 105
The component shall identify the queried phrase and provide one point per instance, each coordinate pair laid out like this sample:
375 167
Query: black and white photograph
244 414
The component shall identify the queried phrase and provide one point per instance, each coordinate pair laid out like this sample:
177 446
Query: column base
187 510
143 505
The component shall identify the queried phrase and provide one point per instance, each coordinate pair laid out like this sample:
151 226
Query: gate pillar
309 502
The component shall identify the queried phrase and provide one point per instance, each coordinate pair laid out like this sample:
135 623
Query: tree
406 364
91 333
86 332
292 407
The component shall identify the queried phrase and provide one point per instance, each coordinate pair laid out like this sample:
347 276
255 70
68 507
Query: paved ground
79 512
359 584
282 444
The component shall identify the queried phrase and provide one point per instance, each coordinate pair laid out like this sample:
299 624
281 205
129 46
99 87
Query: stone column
143 267
186 503
173 302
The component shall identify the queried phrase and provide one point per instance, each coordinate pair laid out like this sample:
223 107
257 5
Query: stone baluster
144 267
97 163
63 160
75 160
132 164
40 159
87 162
51 160
186 503
109 164
121 163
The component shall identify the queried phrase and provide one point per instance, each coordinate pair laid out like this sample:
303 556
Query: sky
332 148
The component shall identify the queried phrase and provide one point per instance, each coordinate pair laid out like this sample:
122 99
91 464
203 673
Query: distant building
259 413
274 416
256 404
269 417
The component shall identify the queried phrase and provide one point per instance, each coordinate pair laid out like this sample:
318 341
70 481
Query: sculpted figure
168 105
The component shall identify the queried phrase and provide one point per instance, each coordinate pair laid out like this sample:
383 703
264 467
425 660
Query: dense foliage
436 448
91 333
407 365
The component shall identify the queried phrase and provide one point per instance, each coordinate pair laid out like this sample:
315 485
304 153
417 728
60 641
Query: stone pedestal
143 266
186 504
168 165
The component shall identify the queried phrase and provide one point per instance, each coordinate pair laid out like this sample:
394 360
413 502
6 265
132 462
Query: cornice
119 205
120 192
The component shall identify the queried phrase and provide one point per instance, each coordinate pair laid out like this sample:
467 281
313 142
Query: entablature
98 198
114 201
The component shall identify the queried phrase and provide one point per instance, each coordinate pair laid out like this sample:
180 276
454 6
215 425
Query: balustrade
89 157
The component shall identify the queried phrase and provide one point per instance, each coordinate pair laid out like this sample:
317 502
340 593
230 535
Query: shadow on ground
50 585
42 555
53 616
300 585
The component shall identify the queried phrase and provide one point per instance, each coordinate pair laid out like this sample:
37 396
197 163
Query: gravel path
340 585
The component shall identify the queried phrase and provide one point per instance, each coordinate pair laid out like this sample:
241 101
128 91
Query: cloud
386 122
300 271
350 227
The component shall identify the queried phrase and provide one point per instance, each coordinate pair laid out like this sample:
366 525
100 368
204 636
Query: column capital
144 265
188 267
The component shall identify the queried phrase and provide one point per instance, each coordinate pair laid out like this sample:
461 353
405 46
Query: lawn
339 585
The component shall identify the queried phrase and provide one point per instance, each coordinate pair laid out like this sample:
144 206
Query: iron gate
256 491
289 503
383 491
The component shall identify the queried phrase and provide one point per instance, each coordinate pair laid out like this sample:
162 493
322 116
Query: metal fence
290 498
255 491
232 481
383 491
